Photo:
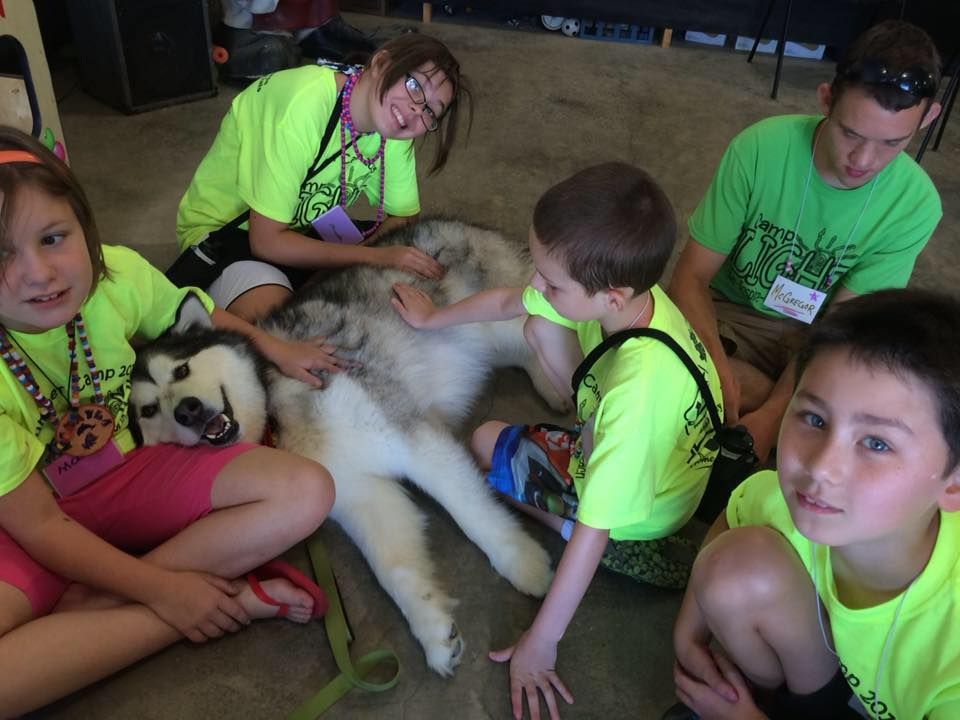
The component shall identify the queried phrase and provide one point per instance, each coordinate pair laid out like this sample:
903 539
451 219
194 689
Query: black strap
318 164
618 338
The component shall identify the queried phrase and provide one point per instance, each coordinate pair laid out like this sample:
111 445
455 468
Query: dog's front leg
444 469
389 530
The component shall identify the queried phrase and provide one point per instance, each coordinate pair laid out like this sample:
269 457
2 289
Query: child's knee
308 491
15 608
746 570
484 440
532 331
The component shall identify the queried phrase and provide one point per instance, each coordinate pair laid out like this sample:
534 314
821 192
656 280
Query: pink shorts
153 495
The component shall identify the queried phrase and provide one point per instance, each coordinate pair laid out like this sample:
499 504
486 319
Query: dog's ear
191 314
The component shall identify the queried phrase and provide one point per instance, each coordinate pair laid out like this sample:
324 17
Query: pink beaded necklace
346 123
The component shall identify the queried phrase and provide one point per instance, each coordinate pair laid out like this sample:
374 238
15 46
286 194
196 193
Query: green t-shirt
642 460
267 144
751 208
135 300
921 674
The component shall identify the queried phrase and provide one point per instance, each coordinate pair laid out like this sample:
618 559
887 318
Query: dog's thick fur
389 420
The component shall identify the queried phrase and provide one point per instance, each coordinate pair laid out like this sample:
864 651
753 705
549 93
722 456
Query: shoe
679 712
281 569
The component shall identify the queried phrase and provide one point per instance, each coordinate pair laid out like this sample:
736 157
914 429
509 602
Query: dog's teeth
217 427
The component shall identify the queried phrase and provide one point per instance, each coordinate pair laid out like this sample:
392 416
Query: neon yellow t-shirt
266 145
649 462
135 300
866 238
921 674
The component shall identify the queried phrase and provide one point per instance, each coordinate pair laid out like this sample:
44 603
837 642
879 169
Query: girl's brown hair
52 176
411 51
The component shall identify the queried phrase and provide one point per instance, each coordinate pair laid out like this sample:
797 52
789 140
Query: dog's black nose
189 412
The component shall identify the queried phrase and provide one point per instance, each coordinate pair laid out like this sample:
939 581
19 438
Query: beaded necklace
346 123
84 429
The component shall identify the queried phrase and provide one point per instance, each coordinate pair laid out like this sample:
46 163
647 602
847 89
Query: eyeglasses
914 80
415 91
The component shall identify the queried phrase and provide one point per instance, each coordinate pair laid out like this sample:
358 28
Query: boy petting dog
618 485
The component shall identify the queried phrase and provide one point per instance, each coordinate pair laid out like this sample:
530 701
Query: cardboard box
791 48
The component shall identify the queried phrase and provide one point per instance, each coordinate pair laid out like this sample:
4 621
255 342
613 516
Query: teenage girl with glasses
297 148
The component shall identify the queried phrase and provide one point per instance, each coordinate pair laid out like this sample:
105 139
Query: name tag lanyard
788 266
346 123
823 633
84 429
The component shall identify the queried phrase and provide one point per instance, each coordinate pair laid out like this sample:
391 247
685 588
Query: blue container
616 32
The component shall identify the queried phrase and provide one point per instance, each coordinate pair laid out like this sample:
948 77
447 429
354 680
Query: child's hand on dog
307 361
413 305
409 259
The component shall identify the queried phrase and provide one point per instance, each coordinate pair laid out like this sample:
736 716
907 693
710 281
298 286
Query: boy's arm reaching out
533 657
418 310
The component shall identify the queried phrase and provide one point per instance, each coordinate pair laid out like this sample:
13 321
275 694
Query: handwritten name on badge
794 300
69 474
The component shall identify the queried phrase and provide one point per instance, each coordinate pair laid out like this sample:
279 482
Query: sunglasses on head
914 81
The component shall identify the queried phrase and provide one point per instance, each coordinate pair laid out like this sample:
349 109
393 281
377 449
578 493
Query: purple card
335 227
68 474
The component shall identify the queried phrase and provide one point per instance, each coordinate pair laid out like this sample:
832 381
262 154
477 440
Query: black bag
735 459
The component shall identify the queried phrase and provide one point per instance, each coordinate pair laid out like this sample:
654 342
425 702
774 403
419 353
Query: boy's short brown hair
611 225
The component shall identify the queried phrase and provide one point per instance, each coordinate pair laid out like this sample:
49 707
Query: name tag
794 300
69 474
334 226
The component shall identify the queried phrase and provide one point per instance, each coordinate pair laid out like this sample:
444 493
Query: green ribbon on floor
338 634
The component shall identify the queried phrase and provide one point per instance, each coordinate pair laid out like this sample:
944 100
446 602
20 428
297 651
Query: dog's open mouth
221 428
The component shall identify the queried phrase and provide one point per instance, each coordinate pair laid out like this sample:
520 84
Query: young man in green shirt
809 211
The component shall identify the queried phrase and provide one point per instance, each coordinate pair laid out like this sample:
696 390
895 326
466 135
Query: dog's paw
444 654
525 564
433 625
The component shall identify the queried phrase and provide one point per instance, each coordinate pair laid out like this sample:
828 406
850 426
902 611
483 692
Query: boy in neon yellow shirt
835 581
632 472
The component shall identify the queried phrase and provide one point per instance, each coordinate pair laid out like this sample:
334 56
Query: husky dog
373 426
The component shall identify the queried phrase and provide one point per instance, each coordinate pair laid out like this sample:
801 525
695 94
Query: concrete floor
546 106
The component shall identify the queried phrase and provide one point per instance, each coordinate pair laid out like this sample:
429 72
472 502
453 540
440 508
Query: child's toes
299 602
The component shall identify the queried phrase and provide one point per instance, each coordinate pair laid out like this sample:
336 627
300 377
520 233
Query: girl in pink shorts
109 553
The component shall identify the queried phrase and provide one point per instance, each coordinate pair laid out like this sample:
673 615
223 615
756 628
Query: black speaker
142 54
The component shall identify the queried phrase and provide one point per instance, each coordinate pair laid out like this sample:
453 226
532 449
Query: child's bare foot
281 590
